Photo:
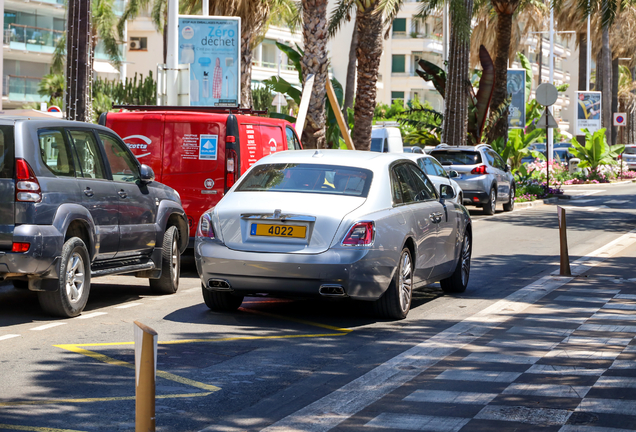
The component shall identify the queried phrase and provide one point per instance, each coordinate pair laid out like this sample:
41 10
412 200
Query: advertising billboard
588 113
517 91
212 47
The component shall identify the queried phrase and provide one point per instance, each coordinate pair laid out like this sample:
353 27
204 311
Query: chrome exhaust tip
332 291
219 285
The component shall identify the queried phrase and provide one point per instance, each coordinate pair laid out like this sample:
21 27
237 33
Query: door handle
88 192
434 218
122 193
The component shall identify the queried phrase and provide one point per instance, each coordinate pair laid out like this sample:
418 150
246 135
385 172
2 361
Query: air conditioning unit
134 45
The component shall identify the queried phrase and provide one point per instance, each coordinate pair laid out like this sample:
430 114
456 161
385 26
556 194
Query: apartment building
32 30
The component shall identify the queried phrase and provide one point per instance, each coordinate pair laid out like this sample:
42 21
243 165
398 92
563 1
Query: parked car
438 175
629 156
483 175
386 139
413 149
333 223
76 205
200 154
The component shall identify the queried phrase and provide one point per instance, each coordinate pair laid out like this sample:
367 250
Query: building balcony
22 89
33 39
425 43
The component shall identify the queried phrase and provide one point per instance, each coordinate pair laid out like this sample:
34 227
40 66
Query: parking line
8 336
296 320
34 428
48 326
129 305
91 315
92 400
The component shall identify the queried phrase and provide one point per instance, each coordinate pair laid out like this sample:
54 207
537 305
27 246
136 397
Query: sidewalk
566 363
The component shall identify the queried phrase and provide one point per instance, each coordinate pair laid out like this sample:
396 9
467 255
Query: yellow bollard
563 240
145 376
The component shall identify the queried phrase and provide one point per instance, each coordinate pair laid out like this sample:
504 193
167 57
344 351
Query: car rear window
377 144
457 157
630 150
7 159
307 178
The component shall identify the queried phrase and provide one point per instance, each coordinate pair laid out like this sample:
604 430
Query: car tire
74 283
491 205
221 301
458 281
168 283
395 303
510 205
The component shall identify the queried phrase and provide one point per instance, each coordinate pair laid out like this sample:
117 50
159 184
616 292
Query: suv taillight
206 229
361 234
27 187
230 169
481 169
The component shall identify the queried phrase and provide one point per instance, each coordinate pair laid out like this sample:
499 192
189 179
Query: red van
200 153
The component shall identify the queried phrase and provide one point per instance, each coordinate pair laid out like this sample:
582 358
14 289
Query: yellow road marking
90 400
34 429
300 321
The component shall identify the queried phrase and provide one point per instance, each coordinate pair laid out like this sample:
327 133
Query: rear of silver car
473 177
629 156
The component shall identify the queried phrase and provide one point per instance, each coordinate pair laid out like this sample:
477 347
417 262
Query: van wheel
458 281
168 283
510 205
74 282
221 301
395 303
491 205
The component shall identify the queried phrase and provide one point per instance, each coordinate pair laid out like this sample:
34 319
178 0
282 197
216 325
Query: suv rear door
7 187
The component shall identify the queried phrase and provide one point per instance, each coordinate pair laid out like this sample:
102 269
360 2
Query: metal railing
31 38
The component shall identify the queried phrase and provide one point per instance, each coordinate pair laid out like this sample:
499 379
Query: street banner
212 47
517 91
588 111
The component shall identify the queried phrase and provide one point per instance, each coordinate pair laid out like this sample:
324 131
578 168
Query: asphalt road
247 370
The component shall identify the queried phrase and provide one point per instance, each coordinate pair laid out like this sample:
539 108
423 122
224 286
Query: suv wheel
74 283
510 205
168 283
221 301
491 205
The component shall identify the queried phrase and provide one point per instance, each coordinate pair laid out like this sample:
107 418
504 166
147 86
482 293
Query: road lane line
297 320
48 326
9 336
91 315
336 407
129 305
34 428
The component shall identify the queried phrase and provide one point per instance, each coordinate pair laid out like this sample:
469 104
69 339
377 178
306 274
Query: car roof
349 158
416 156
463 148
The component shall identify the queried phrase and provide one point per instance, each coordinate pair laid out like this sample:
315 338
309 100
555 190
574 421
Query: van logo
143 146
272 145
209 183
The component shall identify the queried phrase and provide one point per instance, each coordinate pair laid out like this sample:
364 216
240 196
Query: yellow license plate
270 230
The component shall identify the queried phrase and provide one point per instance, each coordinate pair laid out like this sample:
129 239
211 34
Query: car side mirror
446 192
507 168
146 174
453 174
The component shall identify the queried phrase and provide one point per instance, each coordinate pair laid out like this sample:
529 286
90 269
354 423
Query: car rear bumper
45 245
363 274
475 197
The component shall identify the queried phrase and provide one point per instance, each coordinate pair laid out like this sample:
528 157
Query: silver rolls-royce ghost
336 223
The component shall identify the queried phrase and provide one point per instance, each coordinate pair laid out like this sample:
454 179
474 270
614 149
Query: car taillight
481 169
206 229
230 169
20 247
27 187
361 234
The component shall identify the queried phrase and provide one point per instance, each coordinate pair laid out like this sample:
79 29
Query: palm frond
340 14
104 22
389 9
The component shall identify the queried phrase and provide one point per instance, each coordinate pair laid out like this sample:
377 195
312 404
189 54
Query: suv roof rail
483 145
218 110
442 145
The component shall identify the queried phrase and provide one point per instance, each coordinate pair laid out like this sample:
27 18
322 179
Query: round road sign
547 94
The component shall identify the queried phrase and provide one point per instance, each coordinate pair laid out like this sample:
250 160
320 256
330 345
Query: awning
104 67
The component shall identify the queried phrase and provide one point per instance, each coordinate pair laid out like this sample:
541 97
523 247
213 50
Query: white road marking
443 396
625 296
91 315
569 310
586 192
630 349
610 406
527 343
548 390
336 407
616 201
568 298
594 290
622 364
613 316
128 305
556 319
607 328
9 336
616 382
564 370
418 422
582 208
501 358
461 374
620 306
596 341
548 331
584 428
48 326
582 354
535 416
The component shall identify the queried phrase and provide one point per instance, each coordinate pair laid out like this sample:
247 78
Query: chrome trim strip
280 217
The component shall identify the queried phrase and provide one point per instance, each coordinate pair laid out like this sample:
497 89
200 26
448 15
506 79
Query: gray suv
483 175
77 204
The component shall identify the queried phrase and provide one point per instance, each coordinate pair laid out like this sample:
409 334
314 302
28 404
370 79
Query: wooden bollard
145 376
563 241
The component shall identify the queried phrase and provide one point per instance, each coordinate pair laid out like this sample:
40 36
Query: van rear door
7 187
194 162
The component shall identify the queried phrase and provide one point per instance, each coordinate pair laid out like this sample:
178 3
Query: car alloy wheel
75 278
175 261
466 260
405 282
493 200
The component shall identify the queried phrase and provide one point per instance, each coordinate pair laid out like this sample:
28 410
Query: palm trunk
500 92
78 61
582 41
369 25
315 62
457 92
351 73
246 70
614 99
606 64
598 84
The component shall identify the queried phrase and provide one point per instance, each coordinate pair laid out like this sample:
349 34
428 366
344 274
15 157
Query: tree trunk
500 93
614 99
315 62
606 64
582 40
78 61
351 73
457 82
246 70
598 83
369 25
